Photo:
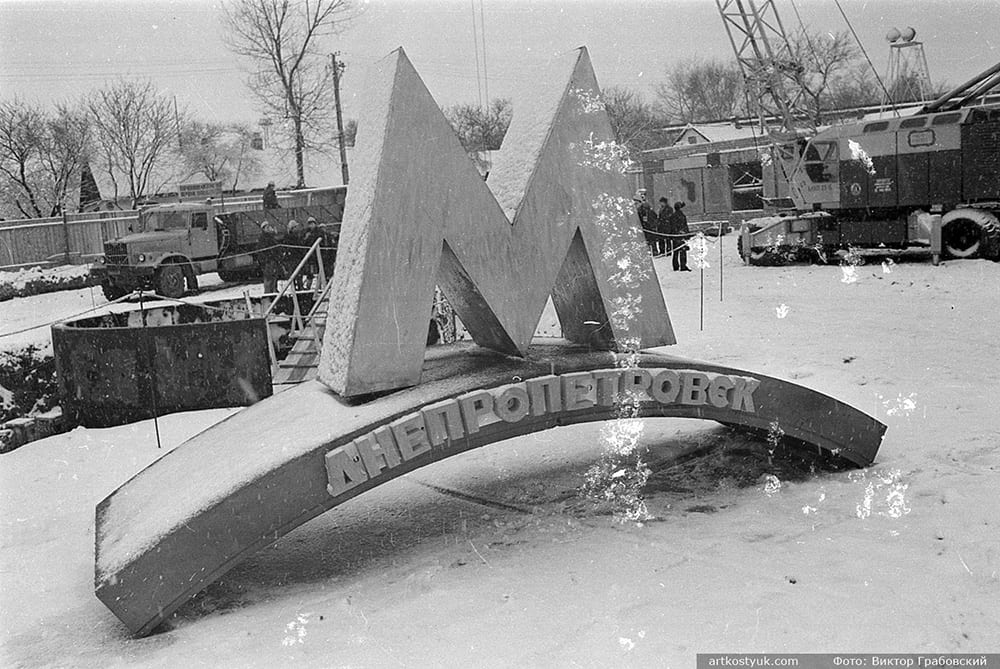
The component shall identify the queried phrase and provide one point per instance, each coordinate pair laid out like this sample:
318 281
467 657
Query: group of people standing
666 229
278 257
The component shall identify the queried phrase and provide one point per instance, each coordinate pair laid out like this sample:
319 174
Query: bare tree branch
281 39
480 129
135 127
702 90
634 121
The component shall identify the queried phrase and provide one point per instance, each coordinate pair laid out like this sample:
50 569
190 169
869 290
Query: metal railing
300 322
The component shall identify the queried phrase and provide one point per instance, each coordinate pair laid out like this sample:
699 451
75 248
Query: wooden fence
79 238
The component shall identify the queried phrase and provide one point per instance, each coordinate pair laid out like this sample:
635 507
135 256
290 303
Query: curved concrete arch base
191 516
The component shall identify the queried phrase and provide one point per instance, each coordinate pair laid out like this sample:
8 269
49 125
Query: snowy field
901 557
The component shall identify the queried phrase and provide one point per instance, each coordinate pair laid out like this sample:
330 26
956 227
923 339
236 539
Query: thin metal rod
151 360
719 239
701 315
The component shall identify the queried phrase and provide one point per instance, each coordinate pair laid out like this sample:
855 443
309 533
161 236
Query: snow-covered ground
901 557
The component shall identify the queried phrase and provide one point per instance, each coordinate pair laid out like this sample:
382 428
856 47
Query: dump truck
170 245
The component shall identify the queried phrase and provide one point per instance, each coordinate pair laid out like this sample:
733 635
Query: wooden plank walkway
302 362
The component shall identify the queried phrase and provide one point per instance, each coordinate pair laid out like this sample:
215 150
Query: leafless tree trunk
67 145
281 40
135 127
827 60
20 149
701 90
41 155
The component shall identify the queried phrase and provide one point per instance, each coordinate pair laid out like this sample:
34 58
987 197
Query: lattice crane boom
772 73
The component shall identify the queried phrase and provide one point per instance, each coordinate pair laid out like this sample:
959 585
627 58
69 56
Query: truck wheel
112 290
961 238
170 281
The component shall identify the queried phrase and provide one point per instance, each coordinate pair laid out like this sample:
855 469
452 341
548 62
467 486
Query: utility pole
338 69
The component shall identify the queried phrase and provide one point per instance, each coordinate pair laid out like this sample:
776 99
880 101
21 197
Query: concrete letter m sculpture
555 219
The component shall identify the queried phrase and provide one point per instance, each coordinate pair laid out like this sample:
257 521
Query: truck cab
168 246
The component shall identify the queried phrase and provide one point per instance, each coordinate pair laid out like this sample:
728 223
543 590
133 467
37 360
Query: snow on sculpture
496 249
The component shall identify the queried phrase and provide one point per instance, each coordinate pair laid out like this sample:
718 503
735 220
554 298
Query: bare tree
221 152
478 128
702 90
20 148
856 87
292 81
828 61
635 122
66 147
41 155
135 128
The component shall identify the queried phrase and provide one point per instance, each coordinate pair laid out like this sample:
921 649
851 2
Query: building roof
718 132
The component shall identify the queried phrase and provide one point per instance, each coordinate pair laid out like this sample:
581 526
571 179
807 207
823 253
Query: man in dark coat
267 256
270 198
679 228
294 247
647 219
312 233
662 227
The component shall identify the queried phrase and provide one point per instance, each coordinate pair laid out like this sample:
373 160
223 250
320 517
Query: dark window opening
913 122
945 119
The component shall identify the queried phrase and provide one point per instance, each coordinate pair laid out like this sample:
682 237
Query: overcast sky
59 49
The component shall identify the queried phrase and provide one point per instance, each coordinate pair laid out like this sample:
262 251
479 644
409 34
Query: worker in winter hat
268 256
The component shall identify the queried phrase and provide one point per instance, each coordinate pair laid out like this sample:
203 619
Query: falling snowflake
607 155
887 266
699 246
860 155
774 436
617 479
781 310
885 494
864 509
626 644
590 100
772 484
295 631
900 406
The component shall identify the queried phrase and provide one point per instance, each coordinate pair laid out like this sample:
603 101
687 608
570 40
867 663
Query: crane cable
865 53
805 33
482 35
482 77
475 47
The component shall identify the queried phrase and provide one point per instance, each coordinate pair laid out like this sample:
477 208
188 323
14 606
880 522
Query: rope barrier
189 303
65 318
